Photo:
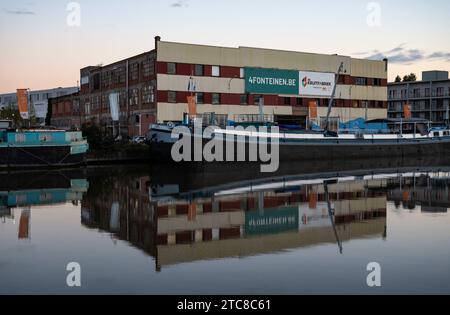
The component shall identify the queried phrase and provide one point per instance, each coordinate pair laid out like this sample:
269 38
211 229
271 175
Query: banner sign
289 82
316 83
192 105
22 101
114 106
40 109
407 111
272 221
271 81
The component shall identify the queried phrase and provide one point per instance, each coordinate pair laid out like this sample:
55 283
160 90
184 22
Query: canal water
178 230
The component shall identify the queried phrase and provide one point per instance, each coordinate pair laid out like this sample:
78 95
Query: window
148 95
95 103
84 80
256 99
172 97
242 73
134 97
299 101
87 108
200 98
148 66
138 119
404 93
171 68
215 98
120 75
199 70
427 92
244 99
96 81
216 71
361 81
286 100
440 91
416 92
20 137
377 82
134 71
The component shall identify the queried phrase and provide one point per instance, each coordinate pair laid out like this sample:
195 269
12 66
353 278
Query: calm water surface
168 231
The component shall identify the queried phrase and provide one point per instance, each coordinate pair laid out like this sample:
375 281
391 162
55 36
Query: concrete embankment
119 154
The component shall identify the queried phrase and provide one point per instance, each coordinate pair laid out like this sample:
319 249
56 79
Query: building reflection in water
176 226
21 192
178 223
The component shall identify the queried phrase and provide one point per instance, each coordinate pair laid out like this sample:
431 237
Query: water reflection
176 224
182 219
22 191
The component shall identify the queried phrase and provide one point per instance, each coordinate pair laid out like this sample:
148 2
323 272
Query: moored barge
20 149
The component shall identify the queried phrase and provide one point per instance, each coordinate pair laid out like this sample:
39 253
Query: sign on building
114 106
40 109
316 83
289 82
22 100
271 81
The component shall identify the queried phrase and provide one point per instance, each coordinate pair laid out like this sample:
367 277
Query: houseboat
36 148
398 138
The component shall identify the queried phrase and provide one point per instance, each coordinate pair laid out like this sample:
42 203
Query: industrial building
427 99
38 100
154 86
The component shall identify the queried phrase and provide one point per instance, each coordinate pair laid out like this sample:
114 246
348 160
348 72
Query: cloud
403 55
440 55
20 12
180 4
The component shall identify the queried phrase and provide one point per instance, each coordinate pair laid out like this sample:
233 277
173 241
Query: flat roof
272 49
416 82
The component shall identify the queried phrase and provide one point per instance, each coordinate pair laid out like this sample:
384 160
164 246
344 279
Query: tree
398 79
12 114
410 78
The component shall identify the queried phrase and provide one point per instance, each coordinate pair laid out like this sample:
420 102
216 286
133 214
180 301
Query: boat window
446 133
20 137
436 134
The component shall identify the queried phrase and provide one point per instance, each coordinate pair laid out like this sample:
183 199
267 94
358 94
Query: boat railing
253 118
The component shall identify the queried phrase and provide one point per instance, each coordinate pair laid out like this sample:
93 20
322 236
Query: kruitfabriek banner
114 106
22 100
289 82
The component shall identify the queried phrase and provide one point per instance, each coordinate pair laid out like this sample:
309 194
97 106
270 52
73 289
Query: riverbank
119 153
104 155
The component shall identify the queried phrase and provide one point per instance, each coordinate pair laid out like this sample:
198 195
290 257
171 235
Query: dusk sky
39 49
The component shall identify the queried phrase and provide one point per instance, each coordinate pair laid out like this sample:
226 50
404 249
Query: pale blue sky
39 49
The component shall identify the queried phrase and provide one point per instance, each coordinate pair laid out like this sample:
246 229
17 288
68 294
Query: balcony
419 95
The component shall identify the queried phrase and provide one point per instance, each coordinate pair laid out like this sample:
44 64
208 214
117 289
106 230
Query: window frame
200 100
197 73
217 102
171 70
215 71
174 95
